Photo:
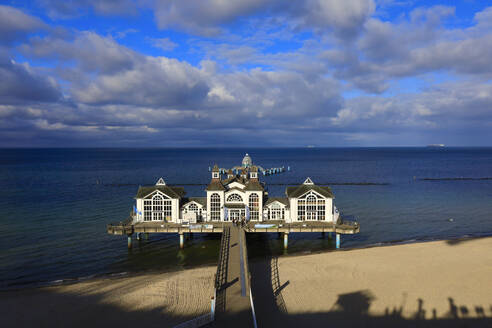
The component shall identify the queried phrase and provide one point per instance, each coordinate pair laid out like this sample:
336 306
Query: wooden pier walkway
233 281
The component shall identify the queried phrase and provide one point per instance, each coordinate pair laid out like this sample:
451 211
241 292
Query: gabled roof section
160 182
282 200
215 185
235 178
254 185
171 191
295 192
234 189
200 200
308 181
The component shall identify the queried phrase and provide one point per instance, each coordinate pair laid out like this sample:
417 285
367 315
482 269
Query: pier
233 304
234 300
127 228
236 203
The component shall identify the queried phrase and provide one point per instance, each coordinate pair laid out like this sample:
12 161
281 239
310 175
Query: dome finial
247 161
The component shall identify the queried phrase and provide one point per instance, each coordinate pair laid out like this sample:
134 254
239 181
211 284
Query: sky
256 73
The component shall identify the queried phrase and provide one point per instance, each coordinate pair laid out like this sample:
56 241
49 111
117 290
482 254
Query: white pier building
235 196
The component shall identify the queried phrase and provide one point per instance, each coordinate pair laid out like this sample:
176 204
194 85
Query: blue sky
144 73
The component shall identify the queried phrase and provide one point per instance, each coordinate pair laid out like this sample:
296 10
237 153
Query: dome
247 161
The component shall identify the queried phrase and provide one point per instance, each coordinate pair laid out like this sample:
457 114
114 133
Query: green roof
294 192
171 191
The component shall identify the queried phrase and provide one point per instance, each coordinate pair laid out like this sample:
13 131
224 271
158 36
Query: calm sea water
55 203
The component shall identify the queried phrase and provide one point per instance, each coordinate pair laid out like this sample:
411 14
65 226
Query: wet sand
146 300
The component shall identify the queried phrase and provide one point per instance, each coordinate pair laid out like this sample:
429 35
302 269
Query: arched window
254 206
215 207
194 208
157 208
311 212
235 198
311 207
161 208
276 212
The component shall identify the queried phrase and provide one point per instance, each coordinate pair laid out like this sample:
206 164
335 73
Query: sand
424 284
433 284
146 300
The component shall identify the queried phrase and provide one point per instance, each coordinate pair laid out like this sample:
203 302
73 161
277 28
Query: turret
253 174
247 161
215 172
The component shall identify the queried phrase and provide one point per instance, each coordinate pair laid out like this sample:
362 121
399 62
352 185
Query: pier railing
121 227
221 275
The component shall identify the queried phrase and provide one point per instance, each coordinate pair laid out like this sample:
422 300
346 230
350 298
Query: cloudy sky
131 73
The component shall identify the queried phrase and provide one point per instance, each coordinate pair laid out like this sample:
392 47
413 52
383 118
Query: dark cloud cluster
15 25
96 91
62 9
21 84
208 17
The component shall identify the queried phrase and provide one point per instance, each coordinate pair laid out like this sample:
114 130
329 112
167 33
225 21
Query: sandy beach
146 300
433 284
442 283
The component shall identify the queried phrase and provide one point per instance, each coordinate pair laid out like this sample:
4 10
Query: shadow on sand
47 307
349 310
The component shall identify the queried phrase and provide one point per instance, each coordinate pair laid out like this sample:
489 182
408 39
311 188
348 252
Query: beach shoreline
125 274
431 280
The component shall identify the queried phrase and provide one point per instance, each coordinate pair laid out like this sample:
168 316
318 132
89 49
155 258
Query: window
276 212
167 209
194 208
301 209
147 210
311 208
254 207
234 198
215 207
157 213
321 209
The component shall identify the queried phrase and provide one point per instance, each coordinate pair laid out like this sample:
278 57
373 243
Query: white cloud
163 43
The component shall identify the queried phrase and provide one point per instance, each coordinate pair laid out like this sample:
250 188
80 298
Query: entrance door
311 215
157 216
234 215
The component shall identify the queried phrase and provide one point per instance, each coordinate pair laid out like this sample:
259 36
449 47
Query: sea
55 204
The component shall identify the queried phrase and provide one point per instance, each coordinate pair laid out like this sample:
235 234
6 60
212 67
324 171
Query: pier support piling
129 241
338 241
181 240
286 240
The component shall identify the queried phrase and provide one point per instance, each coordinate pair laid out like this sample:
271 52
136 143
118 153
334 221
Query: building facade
235 196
